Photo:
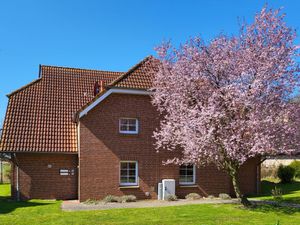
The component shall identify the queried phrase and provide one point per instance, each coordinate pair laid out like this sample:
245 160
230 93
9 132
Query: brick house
76 133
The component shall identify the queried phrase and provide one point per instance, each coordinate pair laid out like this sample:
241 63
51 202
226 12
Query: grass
4 190
291 192
49 212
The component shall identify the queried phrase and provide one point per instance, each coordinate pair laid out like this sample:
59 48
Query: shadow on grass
265 208
291 191
267 186
7 205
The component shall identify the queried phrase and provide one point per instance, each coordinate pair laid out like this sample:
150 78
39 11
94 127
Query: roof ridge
59 67
121 77
74 68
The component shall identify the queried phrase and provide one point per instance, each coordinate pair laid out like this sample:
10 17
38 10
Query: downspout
258 169
78 169
17 177
1 169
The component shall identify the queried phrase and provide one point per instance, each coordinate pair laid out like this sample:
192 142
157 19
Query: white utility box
168 188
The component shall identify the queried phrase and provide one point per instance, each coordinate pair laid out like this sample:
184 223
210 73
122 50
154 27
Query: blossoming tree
228 101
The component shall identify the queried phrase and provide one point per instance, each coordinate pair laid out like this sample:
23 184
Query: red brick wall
102 148
249 175
36 180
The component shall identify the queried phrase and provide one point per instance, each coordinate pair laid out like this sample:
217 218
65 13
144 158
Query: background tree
228 101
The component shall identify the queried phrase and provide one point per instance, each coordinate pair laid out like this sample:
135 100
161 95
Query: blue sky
108 35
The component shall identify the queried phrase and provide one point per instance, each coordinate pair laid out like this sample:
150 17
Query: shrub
285 173
296 165
91 202
171 198
277 194
192 196
122 199
111 198
224 196
211 197
128 198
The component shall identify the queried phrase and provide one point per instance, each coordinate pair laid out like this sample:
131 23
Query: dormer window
128 125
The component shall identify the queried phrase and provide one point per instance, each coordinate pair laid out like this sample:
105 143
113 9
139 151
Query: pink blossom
228 100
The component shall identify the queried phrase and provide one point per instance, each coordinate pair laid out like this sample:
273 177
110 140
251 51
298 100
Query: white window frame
194 177
136 183
128 131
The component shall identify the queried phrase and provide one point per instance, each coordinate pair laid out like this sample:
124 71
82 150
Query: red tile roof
39 116
138 77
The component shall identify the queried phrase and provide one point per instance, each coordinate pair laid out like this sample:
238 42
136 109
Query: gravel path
75 205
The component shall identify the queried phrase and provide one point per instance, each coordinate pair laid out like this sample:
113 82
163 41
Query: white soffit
112 91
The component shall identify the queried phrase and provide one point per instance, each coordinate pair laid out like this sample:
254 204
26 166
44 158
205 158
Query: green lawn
291 192
48 212
4 190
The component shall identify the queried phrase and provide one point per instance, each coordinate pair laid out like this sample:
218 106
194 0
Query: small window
128 126
128 173
187 174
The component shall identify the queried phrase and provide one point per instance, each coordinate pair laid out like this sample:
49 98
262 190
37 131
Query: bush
296 165
91 202
211 196
122 199
111 198
128 198
171 198
224 196
277 194
192 196
285 173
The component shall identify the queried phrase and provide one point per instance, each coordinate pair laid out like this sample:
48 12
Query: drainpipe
17 178
79 157
257 179
258 170
1 169
18 192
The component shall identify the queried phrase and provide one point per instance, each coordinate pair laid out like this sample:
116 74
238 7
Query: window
128 173
187 174
128 126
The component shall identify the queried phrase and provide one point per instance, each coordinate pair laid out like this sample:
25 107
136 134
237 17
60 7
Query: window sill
128 134
188 186
129 187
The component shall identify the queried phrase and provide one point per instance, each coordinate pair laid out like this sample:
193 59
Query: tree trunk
236 186
233 172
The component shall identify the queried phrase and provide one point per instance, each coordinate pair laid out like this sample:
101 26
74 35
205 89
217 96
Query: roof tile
39 115
138 77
